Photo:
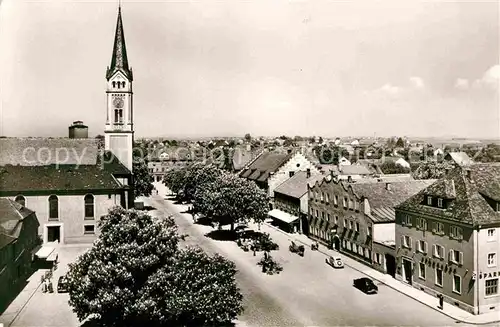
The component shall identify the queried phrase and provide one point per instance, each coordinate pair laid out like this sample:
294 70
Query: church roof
119 60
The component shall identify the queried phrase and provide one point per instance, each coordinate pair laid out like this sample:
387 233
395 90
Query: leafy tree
143 180
136 275
432 170
390 167
490 153
248 137
174 180
298 138
400 143
230 199
288 142
197 175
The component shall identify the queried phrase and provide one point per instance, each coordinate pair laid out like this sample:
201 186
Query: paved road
307 292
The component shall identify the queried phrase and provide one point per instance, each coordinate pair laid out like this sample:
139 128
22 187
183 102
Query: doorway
54 234
336 243
407 273
390 265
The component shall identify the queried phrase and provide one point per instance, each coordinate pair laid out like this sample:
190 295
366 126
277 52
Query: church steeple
119 61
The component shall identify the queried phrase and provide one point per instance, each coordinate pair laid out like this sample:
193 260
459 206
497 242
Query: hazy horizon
353 68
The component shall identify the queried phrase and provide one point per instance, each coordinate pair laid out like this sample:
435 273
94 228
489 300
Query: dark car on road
366 285
62 285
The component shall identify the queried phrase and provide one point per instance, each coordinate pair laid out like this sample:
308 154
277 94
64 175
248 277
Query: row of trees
220 196
137 275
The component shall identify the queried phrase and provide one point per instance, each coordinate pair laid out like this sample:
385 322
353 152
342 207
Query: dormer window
429 200
440 202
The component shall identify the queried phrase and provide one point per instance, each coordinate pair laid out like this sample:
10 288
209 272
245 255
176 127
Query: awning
45 252
283 216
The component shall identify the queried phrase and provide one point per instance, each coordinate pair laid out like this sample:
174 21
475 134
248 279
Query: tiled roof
266 163
45 178
471 185
241 157
382 200
354 170
296 186
460 158
47 151
11 218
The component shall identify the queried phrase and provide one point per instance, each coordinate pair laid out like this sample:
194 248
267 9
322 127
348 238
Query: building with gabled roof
263 166
447 237
358 218
71 182
459 158
18 241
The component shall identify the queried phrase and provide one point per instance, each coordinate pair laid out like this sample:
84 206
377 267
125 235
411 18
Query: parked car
62 285
366 285
335 262
294 248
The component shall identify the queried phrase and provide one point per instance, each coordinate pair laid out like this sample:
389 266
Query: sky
264 67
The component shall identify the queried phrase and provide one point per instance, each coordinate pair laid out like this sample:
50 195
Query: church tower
119 130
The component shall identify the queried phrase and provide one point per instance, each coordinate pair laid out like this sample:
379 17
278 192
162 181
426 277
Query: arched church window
118 116
114 83
123 84
21 200
118 84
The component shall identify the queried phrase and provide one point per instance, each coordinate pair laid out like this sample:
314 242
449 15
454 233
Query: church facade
71 182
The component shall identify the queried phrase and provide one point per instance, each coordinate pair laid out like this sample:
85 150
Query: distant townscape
119 230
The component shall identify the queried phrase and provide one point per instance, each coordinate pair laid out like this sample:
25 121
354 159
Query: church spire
119 61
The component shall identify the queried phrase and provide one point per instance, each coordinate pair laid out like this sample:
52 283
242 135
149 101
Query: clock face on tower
118 103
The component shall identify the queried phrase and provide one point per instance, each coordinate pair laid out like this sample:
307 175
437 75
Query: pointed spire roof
119 61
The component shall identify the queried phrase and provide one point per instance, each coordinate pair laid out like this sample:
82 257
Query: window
421 270
113 83
351 224
345 223
328 217
439 277
407 220
21 200
356 205
438 251
322 196
123 84
491 235
456 256
378 258
457 284
323 215
357 227
369 230
422 246
336 220
118 116
351 204
438 228
53 207
89 206
456 232
354 247
345 202
498 206
89 229
327 198
491 286
429 200
317 213
421 224
406 241
440 202
336 200
492 259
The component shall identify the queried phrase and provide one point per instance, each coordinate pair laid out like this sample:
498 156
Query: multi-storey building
358 218
291 201
447 238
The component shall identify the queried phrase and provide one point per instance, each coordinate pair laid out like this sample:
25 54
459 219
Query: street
308 292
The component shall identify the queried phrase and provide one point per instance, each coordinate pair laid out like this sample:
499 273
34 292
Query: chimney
308 172
388 186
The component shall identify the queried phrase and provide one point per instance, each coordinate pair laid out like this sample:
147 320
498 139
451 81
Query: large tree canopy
432 170
143 181
136 275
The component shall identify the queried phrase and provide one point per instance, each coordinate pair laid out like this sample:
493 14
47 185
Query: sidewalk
424 298
33 284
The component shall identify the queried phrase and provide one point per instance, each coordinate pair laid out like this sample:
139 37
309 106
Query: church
71 182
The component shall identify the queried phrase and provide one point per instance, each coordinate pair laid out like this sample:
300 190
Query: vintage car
366 285
62 285
335 261
299 249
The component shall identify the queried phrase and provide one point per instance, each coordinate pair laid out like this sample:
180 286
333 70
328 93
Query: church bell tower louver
119 129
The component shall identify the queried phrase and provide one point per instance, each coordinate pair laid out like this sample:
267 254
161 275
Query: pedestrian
441 301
